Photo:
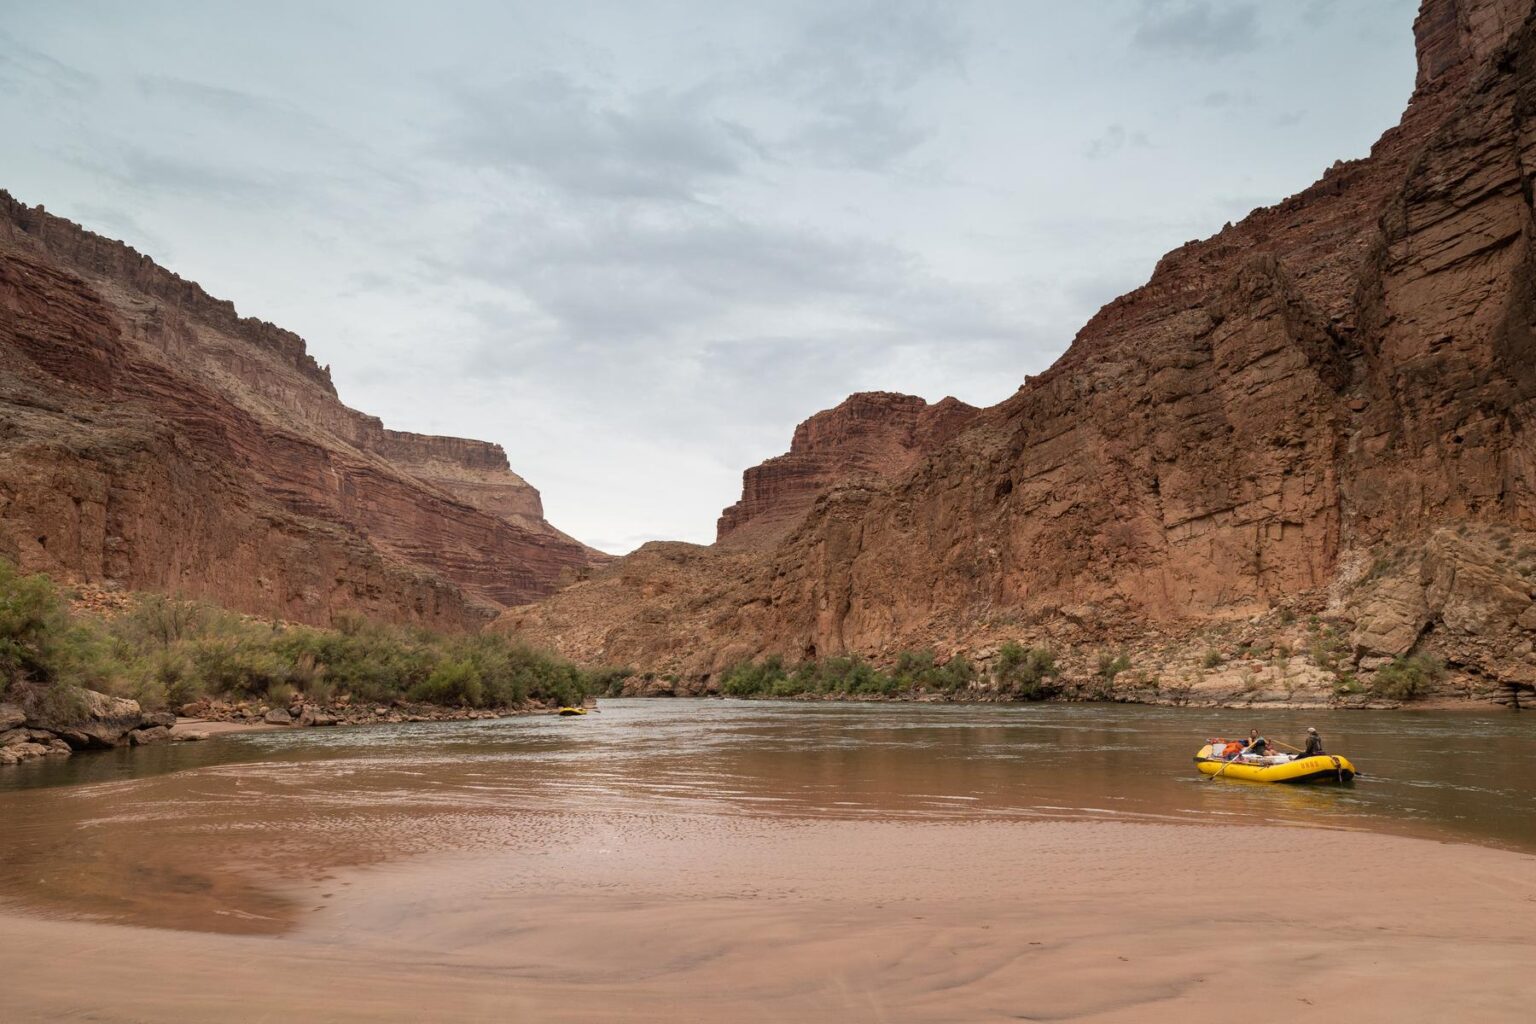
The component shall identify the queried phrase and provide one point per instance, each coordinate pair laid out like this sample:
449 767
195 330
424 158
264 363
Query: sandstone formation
150 438
1340 381
871 436
86 721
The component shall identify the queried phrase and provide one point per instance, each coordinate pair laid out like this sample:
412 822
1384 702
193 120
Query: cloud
255 114
23 68
851 74
1114 139
654 144
1196 28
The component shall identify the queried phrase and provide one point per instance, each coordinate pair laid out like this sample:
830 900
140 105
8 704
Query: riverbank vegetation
1018 672
165 652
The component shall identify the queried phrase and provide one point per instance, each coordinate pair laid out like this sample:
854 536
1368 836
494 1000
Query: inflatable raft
1277 768
571 711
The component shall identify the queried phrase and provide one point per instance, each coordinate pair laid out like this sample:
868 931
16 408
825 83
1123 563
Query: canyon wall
150 438
1321 409
871 436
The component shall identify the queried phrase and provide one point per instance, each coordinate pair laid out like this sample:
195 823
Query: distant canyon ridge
1315 420
152 439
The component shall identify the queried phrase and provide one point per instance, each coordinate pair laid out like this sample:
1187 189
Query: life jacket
1232 749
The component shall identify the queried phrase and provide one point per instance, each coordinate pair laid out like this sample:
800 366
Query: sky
636 242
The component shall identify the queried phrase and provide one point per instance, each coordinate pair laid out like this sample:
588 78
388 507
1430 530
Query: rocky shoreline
96 721
30 729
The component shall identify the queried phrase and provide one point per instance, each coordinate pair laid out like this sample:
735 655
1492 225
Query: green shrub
1408 677
752 678
455 681
915 670
1213 658
1111 665
1327 649
39 640
166 652
1027 673
609 682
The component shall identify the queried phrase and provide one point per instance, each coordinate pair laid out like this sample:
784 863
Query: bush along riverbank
1016 673
1274 663
65 672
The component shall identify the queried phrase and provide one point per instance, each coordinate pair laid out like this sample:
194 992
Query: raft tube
571 711
1318 768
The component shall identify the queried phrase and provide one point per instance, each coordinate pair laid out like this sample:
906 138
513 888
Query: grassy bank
165 652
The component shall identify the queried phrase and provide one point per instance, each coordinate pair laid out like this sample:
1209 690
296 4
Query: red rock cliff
871 436
1326 406
151 437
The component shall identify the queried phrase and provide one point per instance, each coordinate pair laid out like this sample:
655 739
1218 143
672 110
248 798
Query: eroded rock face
871 436
1348 371
152 438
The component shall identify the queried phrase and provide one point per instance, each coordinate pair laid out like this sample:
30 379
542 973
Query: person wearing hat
1314 743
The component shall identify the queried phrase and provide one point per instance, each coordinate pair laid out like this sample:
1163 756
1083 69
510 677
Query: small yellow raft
571 711
1318 768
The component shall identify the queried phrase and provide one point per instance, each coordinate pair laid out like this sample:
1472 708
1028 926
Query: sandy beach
715 920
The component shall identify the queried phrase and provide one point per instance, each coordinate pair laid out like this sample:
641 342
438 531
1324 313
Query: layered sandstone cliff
152 438
1324 408
871 436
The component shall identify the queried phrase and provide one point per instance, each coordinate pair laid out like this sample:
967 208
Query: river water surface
160 835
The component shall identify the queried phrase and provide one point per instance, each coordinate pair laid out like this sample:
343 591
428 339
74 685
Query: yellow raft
571 711
1318 768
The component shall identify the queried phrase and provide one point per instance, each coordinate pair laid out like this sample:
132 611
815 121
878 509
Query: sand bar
694 919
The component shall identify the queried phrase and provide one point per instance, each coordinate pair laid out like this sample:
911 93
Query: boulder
314 716
153 734
277 716
95 721
1474 586
11 716
1391 618
22 751
161 718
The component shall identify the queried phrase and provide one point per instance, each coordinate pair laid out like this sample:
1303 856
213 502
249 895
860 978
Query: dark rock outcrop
38 726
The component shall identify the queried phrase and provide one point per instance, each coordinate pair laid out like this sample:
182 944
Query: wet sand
703 918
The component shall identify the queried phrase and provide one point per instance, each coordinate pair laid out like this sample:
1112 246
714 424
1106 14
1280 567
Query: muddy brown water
226 835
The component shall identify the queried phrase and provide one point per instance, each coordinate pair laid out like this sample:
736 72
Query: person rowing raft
1314 744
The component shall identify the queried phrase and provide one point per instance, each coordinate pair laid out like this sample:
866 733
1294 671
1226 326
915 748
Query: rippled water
137 834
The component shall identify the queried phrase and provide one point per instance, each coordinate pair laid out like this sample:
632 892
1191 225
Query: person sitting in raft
1314 743
1257 744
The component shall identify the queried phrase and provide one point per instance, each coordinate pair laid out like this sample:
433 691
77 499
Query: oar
1287 746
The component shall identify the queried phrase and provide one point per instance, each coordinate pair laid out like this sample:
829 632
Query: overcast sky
637 242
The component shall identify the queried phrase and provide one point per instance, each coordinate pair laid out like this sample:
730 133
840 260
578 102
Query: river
157 835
